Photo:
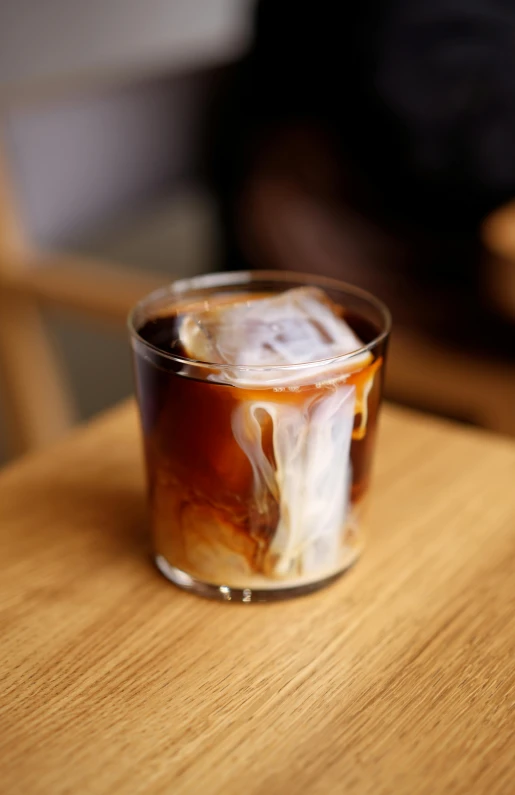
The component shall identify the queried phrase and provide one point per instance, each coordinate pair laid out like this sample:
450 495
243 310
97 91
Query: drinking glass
257 475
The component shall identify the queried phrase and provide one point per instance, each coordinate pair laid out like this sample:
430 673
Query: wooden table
398 679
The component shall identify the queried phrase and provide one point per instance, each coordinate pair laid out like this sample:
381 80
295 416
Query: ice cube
299 326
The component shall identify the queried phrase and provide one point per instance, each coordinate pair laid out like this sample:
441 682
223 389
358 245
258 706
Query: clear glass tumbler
257 474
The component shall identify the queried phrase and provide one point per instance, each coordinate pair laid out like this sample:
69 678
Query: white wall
79 161
53 42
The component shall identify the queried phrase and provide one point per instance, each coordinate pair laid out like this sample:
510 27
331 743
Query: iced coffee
259 396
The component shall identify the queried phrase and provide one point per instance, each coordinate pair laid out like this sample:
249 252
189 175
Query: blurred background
143 142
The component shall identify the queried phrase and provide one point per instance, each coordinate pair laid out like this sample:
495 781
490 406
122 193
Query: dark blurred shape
370 141
446 68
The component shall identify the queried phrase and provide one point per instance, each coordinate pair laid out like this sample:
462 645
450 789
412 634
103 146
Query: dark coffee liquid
199 475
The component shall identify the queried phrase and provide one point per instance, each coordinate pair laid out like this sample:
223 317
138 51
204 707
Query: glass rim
181 287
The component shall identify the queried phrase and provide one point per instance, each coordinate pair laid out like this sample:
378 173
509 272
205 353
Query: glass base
226 594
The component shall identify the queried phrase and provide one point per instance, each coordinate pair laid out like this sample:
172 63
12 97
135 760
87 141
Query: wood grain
422 371
398 679
82 285
36 399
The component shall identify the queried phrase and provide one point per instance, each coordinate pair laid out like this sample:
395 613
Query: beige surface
399 679
456 383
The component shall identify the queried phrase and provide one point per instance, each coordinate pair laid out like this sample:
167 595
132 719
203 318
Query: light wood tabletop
398 679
